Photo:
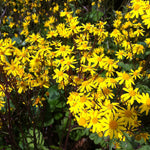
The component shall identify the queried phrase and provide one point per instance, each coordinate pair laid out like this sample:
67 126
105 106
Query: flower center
85 83
37 100
37 59
126 76
23 54
94 120
82 99
112 80
135 73
73 27
84 45
1 53
128 113
132 93
106 91
99 80
136 7
82 121
109 106
113 125
60 73
99 59
148 102
68 63
110 61
13 67
62 48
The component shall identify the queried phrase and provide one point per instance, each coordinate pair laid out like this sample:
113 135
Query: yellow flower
73 25
139 32
108 107
52 33
125 78
2 102
147 41
138 49
117 23
35 62
60 75
86 86
69 62
98 60
87 27
131 96
120 54
22 86
146 20
110 64
12 68
89 68
99 82
145 136
4 51
63 50
115 33
78 11
137 9
94 122
33 38
113 126
84 46
128 115
129 56
38 101
145 100
111 82
93 3
11 24
106 93
23 55
136 74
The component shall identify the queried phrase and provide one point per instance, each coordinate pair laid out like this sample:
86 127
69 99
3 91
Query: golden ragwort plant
101 71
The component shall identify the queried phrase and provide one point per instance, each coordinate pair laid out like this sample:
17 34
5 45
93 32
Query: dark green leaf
53 93
145 147
48 123
58 116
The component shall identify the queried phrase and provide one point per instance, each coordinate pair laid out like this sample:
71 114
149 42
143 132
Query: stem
34 136
11 136
66 142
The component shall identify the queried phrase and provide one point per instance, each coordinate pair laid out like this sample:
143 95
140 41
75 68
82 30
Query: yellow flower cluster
102 95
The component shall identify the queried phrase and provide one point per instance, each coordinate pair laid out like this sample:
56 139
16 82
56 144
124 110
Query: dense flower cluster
89 62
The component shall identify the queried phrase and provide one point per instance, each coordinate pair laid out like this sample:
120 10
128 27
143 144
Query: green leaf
143 88
92 136
61 104
58 116
126 146
145 147
55 147
142 43
77 128
53 93
147 52
17 39
30 138
42 147
126 67
5 147
49 122
97 140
